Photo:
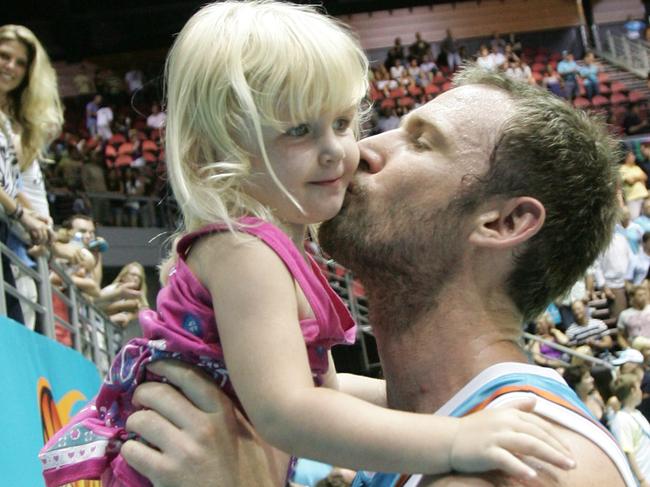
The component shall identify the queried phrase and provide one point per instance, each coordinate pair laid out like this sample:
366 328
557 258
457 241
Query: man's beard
398 249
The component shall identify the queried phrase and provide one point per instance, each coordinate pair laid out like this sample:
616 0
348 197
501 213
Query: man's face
86 228
404 209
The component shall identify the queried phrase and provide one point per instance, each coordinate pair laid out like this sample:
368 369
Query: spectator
633 122
82 227
397 70
30 116
589 331
611 270
644 219
428 67
568 70
552 81
84 81
497 44
414 71
134 187
631 429
632 231
419 48
104 121
69 167
449 50
635 320
542 353
640 270
509 54
395 52
126 295
388 120
93 180
520 71
134 79
579 379
91 114
589 72
486 59
157 118
634 184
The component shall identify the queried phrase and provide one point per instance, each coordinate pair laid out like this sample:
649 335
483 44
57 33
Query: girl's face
13 65
314 160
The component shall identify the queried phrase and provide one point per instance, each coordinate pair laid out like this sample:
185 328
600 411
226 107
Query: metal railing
568 351
632 55
78 322
350 291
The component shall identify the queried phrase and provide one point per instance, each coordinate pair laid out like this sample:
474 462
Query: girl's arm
256 307
365 388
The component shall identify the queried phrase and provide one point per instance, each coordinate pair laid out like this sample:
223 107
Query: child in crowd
264 102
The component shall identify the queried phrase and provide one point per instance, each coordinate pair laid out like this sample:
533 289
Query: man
644 219
91 114
611 271
568 69
458 237
635 320
419 48
587 330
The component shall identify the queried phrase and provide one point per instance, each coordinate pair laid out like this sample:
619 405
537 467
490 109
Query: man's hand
195 435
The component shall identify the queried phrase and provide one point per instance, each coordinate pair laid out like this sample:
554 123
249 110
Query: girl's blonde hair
144 302
35 104
235 67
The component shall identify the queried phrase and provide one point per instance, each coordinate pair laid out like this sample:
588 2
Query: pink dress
184 328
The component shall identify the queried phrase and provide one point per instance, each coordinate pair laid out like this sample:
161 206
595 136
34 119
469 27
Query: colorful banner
44 384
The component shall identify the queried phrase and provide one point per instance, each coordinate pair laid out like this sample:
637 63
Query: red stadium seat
555 56
125 148
580 102
439 78
599 101
149 146
414 90
406 101
538 67
636 96
110 151
387 103
155 135
618 86
604 89
398 92
432 90
116 140
375 94
619 98
447 86
603 77
149 157
537 76
123 160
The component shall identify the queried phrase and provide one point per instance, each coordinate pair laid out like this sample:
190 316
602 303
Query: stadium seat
603 88
123 160
387 103
149 146
125 148
603 77
116 140
538 67
432 90
397 92
580 102
599 101
447 86
406 101
618 86
414 90
636 96
619 98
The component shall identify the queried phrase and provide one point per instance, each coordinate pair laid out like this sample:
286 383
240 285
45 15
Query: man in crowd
635 320
587 330
458 236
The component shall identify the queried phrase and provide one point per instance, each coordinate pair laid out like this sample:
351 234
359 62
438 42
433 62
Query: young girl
263 106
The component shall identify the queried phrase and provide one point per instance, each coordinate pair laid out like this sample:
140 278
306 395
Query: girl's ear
508 223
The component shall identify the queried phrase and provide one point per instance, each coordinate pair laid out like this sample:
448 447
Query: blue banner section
43 384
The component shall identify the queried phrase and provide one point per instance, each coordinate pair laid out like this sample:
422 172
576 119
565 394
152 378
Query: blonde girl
263 106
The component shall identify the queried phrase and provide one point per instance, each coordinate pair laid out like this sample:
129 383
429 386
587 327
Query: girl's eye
341 124
298 130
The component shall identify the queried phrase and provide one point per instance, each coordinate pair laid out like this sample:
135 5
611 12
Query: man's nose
372 157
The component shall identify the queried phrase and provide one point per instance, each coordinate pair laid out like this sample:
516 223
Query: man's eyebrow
415 123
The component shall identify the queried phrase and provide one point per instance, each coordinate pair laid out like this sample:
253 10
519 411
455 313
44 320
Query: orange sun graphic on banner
55 415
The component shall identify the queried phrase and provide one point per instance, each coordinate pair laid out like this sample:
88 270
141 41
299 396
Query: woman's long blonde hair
235 67
35 105
144 302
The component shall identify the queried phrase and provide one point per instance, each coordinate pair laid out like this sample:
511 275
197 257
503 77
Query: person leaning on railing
21 60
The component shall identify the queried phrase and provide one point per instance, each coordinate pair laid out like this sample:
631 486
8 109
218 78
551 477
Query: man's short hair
67 223
567 161
646 237
624 385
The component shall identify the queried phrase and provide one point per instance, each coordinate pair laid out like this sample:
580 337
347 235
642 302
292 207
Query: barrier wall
43 384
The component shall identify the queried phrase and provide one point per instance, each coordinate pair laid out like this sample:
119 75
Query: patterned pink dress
183 328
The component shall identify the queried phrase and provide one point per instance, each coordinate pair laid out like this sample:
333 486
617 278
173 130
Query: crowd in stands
606 316
409 78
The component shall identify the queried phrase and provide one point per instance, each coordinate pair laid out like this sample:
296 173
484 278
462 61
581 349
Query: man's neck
428 359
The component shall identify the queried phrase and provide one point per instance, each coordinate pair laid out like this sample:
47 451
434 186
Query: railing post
45 297
610 43
74 318
627 51
596 33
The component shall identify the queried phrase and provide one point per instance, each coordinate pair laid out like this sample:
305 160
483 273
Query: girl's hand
497 438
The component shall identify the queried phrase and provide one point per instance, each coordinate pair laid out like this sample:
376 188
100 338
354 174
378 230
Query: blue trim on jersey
364 479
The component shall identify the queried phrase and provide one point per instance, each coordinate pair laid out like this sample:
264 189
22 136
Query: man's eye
298 130
420 143
341 124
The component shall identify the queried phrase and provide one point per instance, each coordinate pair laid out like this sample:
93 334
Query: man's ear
509 223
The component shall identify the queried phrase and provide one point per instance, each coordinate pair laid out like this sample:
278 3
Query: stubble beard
403 254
